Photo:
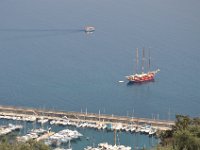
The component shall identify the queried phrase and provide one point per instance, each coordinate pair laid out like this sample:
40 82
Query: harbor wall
83 117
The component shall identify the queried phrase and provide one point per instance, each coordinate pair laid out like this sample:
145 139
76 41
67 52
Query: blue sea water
47 60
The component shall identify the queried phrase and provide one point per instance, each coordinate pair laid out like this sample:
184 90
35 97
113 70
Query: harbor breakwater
83 117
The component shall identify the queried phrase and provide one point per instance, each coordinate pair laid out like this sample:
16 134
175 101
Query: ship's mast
149 63
143 59
136 61
115 136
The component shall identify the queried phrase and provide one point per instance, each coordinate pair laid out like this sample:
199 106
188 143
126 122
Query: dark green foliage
182 122
166 137
186 140
185 135
14 145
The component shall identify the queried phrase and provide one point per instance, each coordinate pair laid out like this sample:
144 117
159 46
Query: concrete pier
82 117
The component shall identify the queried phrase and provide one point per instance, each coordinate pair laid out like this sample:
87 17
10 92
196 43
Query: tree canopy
185 135
6 144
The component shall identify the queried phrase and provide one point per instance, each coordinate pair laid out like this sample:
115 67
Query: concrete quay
83 117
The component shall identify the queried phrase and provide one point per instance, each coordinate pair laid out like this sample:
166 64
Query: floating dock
83 117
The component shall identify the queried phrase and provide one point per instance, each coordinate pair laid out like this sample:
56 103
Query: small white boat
63 137
106 146
152 131
133 128
43 121
89 29
138 129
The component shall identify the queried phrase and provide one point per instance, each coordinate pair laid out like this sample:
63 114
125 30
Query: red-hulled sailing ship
142 77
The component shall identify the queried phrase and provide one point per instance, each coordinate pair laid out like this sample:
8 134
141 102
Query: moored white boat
62 137
43 121
152 131
106 146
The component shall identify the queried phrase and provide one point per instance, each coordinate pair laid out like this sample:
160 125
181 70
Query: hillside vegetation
185 135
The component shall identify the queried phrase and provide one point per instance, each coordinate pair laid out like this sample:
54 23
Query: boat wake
41 30
17 34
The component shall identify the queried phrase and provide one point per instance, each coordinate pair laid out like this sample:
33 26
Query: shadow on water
139 84
15 34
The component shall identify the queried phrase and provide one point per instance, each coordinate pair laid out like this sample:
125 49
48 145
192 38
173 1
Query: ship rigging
142 77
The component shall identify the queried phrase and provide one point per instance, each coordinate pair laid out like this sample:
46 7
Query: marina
58 132
59 128
61 138
89 120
